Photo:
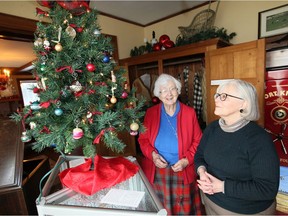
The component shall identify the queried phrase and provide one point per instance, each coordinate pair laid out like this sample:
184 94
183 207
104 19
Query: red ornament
164 38
124 95
155 100
36 90
168 44
157 46
90 67
79 29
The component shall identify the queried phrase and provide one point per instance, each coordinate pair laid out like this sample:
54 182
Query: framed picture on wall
273 21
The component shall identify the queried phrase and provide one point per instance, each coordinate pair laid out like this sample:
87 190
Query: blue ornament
58 111
35 105
106 59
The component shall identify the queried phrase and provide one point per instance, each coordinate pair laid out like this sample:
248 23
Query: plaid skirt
177 198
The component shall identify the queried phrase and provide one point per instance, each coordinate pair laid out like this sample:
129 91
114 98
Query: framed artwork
273 21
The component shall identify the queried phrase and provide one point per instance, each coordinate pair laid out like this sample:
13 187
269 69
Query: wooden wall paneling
242 61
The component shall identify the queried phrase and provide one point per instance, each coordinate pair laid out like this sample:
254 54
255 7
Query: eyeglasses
223 96
164 92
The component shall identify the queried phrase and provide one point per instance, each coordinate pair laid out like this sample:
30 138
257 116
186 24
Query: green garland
213 32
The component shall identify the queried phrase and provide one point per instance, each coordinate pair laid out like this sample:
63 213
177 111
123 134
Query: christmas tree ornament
79 29
124 95
38 42
25 137
58 47
113 99
155 100
134 126
71 32
35 105
46 43
76 86
164 38
42 67
58 111
113 77
96 32
32 125
90 67
36 90
77 133
106 59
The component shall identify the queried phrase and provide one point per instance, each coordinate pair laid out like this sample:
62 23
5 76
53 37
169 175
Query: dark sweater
248 163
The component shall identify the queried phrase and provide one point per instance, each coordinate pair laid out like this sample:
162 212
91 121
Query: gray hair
163 80
248 92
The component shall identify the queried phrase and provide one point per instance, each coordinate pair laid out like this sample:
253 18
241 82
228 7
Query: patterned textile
197 101
177 198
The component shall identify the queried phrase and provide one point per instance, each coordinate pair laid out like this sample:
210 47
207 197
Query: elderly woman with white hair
169 144
236 159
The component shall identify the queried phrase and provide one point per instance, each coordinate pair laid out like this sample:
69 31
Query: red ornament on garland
164 38
90 67
157 46
168 44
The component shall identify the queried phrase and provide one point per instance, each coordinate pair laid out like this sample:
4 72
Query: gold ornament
113 100
134 126
58 47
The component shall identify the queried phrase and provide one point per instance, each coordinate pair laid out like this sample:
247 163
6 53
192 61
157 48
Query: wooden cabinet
244 61
162 61
222 61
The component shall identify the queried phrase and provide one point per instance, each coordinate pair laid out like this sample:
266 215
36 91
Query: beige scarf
234 127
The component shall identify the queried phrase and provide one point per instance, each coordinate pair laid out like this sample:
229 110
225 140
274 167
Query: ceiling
16 54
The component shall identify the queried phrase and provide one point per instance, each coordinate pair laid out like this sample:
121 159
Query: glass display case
136 196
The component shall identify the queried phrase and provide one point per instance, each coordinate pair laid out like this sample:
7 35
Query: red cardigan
189 135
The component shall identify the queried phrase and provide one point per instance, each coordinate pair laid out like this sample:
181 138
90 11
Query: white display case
56 199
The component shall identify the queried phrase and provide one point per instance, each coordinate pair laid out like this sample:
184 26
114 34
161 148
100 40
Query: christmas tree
83 99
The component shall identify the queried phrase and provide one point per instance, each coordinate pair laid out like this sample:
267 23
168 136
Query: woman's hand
180 165
210 184
158 160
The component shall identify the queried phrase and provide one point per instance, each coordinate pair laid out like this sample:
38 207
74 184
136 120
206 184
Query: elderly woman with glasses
236 160
169 145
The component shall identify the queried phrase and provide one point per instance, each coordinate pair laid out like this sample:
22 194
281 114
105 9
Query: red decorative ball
155 100
36 90
168 44
157 46
90 67
124 95
79 29
164 38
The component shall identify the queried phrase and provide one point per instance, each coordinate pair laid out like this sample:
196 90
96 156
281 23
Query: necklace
175 131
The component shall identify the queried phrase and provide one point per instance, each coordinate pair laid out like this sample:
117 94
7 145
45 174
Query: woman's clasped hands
209 184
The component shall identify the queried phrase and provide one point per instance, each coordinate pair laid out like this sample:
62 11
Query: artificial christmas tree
83 99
